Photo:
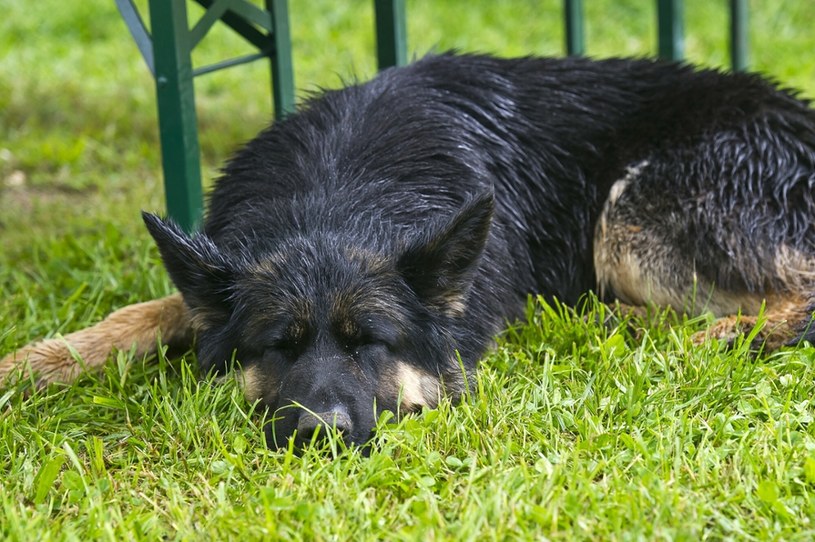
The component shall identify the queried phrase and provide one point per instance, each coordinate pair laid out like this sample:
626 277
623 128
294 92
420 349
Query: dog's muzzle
313 426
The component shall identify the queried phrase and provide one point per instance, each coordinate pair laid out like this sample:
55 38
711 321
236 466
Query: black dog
360 255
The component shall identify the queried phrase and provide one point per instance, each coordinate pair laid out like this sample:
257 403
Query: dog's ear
438 266
196 266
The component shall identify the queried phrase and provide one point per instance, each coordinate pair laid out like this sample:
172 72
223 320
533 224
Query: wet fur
361 254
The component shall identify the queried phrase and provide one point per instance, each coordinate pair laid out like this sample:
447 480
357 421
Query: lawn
575 430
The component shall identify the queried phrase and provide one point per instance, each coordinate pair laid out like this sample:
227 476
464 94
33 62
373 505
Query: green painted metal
252 14
138 30
237 61
739 48
238 24
274 44
573 19
671 29
280 55
168 56
391 33
207 20
180 153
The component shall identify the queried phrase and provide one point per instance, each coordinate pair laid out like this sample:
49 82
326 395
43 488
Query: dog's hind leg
139 327
786 322
702 238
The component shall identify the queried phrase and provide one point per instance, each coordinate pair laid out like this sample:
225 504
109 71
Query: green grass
574 430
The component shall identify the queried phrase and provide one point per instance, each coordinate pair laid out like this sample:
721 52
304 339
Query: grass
574 430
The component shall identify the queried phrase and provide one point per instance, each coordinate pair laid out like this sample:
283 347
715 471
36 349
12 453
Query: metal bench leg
573 20
280 56
178 125
391 33
738 35
671 29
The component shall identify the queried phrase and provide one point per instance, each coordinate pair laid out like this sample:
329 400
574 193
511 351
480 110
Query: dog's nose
336 419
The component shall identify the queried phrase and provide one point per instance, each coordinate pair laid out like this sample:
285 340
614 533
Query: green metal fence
670 30
167 50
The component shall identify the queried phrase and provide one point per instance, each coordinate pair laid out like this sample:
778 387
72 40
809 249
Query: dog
361 254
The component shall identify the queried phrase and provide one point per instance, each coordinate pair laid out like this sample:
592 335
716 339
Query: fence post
738 35
391 33
670 28
178 124
280 56
575 41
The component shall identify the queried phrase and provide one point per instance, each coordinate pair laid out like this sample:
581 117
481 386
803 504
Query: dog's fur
361 254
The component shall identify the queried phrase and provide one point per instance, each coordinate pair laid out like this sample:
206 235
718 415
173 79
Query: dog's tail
139 327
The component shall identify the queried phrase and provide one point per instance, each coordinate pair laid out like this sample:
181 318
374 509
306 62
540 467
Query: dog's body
361 254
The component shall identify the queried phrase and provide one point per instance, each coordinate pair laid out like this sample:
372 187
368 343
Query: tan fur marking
250 381
453 305
269 266
348 328
607 261
617 190
137 326
632 265
417 388
370 260
616 268
796 269
620 269
201 318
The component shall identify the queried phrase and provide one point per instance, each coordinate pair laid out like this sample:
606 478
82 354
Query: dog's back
550 137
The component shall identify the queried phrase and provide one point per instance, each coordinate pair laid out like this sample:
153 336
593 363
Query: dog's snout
309 423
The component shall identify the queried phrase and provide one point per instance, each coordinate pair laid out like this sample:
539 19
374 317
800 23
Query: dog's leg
785 322
139 327
713 244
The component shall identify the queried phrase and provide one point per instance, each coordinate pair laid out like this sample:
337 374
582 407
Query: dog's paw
726 329
768 335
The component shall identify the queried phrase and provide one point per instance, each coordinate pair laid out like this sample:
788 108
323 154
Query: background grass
575 429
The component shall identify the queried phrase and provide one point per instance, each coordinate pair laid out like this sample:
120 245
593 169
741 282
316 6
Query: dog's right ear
196 266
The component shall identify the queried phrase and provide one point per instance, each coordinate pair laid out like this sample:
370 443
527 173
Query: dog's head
329 332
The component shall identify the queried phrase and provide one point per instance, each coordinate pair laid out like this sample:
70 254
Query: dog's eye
362 345
351 344
360 341
363 341
287 344
288 348
287 339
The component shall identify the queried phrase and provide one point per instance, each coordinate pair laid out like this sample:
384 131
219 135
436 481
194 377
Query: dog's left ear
439 266
198 269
